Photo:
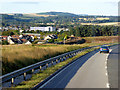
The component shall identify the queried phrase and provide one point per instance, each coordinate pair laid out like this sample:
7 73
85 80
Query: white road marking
108 85
105 67
106 74
105 63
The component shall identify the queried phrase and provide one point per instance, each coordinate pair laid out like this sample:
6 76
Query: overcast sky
91 7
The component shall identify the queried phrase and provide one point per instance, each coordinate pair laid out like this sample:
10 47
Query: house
3 37
50 37
14 39
26 41
21 31
11 41
20 36
15 36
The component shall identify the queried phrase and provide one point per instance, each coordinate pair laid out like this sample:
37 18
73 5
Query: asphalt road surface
89 71
112 64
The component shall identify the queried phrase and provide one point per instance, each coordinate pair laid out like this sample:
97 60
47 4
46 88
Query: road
112 64
89 71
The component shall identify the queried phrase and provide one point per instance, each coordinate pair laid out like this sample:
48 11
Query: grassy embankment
39 77
18 56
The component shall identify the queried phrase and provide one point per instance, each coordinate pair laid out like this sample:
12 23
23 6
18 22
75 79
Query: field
17 56
36 15
102 24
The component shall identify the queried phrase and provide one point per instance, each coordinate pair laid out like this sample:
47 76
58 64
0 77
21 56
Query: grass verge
39 77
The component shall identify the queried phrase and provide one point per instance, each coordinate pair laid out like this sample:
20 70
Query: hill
57 13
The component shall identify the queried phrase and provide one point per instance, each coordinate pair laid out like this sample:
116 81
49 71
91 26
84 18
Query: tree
11 33
77 32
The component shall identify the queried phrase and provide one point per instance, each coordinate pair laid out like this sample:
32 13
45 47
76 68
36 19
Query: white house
28 42
10 41
21 31
47 37
64 29
49 28
50 37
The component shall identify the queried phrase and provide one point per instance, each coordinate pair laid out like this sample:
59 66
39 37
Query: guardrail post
70 55
64 58
56 61
40 67
51 62
74 53
46 64
25 76
32 70
12 82
61 59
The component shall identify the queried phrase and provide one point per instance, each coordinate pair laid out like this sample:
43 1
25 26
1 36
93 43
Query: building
49 28
50 37
62 29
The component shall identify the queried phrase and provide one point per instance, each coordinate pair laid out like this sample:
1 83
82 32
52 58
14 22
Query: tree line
91 30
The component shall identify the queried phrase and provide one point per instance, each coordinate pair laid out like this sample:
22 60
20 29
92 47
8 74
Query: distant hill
57 13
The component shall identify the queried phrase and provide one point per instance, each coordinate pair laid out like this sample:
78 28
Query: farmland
17 56
102 24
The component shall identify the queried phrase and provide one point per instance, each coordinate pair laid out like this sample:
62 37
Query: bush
5 42
51 40
81 41
7 33
35 42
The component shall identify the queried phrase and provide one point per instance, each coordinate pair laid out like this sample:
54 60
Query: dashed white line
105 67
108 85
106 74
105 63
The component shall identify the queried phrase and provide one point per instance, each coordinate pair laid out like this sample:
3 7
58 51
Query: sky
90 7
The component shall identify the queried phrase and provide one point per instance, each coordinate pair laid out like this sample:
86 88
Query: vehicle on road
104 49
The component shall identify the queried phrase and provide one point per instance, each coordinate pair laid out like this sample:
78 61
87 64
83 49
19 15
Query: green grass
39 77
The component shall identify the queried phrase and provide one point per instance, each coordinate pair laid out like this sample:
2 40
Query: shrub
5 42
35 42
51 40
